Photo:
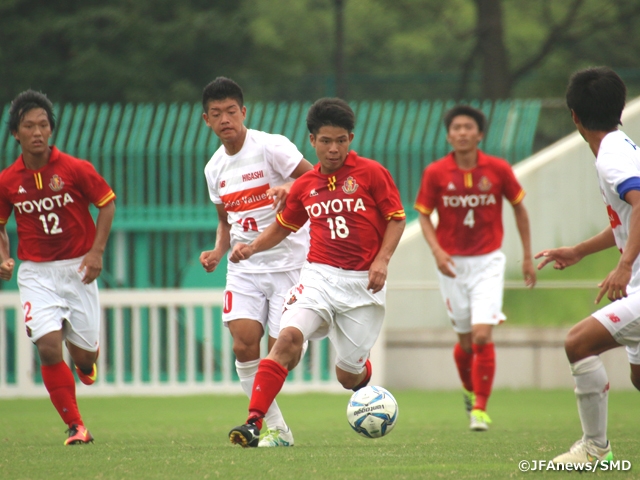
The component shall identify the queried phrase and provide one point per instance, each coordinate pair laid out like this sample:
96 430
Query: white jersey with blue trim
618 168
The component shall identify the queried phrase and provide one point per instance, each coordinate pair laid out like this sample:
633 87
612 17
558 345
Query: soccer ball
372 412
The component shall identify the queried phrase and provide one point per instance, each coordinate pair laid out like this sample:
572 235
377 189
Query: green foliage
161 51
186 437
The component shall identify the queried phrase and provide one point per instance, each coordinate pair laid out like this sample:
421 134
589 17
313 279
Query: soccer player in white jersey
248 178
596 98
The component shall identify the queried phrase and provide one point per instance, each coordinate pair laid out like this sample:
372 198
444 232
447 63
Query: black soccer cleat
247 435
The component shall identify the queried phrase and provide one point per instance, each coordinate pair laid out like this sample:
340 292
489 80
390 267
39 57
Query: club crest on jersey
56 183
293 299
484 184
21 189
350 186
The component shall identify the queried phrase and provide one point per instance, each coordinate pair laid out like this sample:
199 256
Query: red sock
267 384
464 361
482 372
367 377
61 386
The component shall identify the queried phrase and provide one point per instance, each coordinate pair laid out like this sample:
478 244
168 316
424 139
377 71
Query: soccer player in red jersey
356 221
61 251
466 188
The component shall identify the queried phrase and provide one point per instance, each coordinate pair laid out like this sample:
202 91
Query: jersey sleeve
94 186
283 156
212 186
426 198
294 215
620 172
512 188
386 194
6 207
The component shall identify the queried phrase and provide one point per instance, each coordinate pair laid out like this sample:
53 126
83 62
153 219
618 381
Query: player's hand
279 195
444 262
6 269
615 285
241 251
529 272
91 266
210 260
377 275
563 257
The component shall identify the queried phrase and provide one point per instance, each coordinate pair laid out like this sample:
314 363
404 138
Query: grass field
186 438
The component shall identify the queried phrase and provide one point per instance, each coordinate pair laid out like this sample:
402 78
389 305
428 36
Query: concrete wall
565 207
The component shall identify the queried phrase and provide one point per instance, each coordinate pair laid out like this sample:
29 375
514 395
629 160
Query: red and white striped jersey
240 182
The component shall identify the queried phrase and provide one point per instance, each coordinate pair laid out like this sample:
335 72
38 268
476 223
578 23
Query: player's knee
49 354
635 376
346 379
245 351
572 346
481 339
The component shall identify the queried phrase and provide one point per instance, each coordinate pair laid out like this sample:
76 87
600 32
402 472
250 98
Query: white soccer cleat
479 421
585 451
276 438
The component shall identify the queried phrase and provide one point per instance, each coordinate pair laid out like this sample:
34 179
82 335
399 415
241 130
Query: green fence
154 155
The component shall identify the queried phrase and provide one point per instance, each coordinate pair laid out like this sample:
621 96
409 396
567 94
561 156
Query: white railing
155 342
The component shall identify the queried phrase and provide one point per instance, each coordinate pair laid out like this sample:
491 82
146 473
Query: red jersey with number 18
348 211
52 206
469 202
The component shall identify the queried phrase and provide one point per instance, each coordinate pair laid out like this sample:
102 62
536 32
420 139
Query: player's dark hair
468 111
597 96
333 112
221 89
26 101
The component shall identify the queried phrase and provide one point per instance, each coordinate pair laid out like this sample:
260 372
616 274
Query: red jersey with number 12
469 202
349 211
52 206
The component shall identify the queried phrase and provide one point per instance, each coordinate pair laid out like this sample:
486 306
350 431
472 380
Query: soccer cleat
247 435
469 401
479 420
585 451
276 438
88 379
78 434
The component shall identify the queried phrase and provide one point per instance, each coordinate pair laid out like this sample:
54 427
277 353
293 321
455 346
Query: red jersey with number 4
348 211
469 202
52 206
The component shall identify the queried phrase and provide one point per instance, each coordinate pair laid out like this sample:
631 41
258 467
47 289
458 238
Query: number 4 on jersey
469 220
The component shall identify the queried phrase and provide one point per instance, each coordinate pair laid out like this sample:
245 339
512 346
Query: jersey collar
54 155
452 165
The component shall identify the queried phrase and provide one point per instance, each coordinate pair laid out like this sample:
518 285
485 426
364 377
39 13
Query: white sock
592 393
247 373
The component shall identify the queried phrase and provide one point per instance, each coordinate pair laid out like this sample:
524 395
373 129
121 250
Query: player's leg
635 375
355 332
486 280
272 372
583 345
44 312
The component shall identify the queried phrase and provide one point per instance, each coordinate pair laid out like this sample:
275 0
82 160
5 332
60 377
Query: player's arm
522 223
280 192
380 264
566 256
615 284
211 258
269 238
92 261
444 262
6 262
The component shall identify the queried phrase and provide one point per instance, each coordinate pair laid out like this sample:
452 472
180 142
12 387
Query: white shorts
474 296
622 319
52 292
333 302
257 296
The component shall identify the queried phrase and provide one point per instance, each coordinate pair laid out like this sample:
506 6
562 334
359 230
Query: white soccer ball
372 412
